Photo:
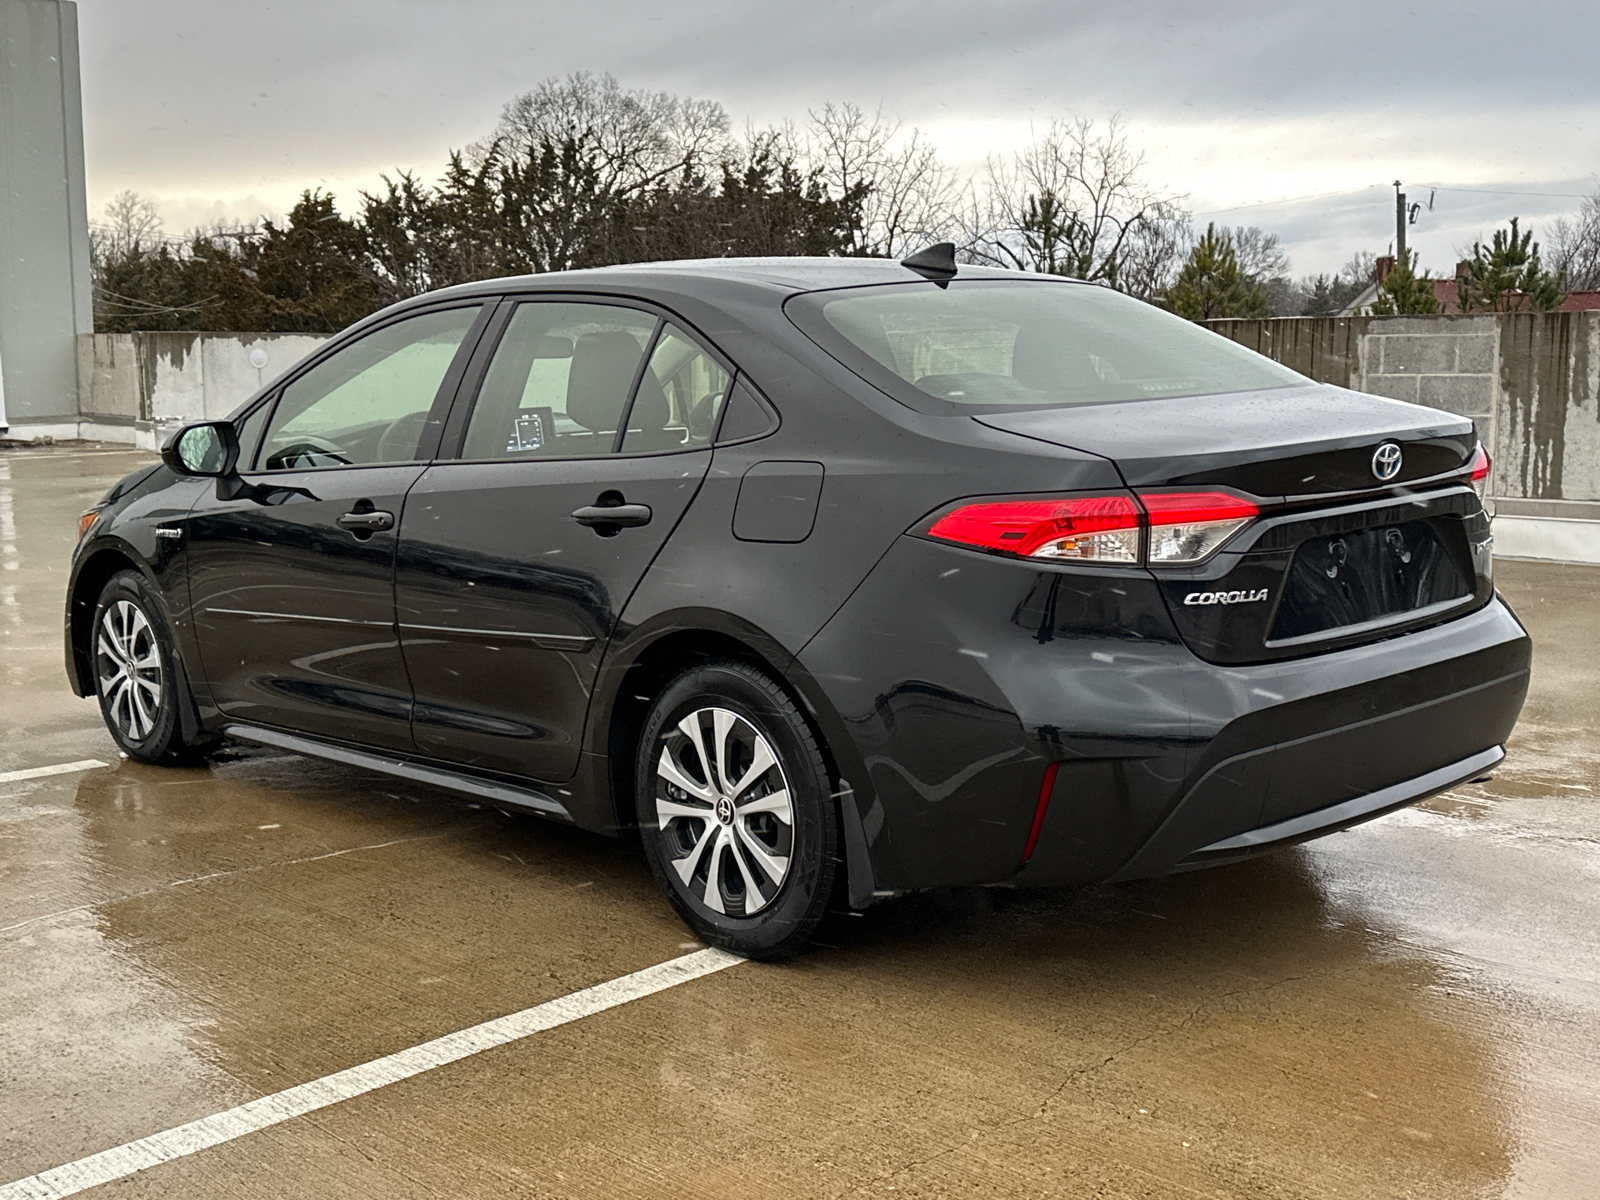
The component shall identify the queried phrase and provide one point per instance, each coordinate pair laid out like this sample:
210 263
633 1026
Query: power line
1507 192
1289 200
1353 191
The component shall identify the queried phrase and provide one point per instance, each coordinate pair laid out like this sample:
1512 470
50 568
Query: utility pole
1399 224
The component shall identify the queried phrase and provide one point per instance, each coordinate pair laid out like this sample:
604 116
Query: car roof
784 275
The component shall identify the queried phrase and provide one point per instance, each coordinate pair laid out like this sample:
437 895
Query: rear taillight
1479 469
1082 529
1161 528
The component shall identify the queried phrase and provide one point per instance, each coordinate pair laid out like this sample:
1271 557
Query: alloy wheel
724 810
128 665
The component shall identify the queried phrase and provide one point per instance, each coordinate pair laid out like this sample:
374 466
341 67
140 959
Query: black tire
703 829
138 680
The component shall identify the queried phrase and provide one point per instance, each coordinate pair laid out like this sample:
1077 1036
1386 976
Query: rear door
292 574
516 557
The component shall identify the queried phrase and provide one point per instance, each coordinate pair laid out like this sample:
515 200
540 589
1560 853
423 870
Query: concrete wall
138 387
1529 381
44 222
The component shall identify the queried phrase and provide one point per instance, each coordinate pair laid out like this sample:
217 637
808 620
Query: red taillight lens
1479 469
1081 529
1188 527
1184 527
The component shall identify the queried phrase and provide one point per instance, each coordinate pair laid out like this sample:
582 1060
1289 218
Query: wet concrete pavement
1411 1008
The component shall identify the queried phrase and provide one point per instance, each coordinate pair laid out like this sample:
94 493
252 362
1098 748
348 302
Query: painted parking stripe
87 764
293 1102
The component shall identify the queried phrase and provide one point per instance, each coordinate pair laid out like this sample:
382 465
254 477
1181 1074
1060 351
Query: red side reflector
1039 809
1024 526
1194 508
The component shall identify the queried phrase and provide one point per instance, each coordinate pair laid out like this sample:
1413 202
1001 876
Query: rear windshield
1019 343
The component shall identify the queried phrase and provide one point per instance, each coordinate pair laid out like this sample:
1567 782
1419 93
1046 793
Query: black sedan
831 578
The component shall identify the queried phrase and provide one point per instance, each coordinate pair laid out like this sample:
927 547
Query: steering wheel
307 452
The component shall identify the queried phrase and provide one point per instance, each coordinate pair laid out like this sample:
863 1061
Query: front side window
1003 343
680 397
368 402
559 381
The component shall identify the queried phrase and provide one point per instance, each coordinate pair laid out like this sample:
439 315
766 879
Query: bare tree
1261 254
634 138
131 224
909 194
1575 246
1072 202
1154 254
1362 268
1263 259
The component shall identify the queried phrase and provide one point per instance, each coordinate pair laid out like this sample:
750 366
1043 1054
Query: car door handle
366 522
628 515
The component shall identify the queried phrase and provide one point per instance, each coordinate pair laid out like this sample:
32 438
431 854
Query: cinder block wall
1529 381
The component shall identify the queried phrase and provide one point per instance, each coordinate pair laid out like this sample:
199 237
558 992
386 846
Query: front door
292 575
515 559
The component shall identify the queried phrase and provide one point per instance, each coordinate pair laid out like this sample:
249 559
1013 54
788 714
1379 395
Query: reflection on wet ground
1408 1009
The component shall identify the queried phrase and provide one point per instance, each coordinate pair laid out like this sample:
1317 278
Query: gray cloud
201 103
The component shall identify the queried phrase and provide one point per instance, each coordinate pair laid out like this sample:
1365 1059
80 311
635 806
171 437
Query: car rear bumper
1438 715
960 678
1342 816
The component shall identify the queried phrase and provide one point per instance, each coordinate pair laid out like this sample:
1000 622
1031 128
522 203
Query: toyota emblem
1386 461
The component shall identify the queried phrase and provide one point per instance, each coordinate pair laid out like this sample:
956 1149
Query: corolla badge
1247 596
1386 461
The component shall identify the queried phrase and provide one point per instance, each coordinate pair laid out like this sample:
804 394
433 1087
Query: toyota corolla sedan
832 579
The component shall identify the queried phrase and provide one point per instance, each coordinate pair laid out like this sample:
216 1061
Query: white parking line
87 764
293 1102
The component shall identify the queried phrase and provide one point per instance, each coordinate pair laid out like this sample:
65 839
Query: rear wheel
135 673
735 810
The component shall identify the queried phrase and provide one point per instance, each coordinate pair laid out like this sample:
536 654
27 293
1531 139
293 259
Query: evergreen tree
1211 285
162 289
1403 291
1327 295
307 276
1509 277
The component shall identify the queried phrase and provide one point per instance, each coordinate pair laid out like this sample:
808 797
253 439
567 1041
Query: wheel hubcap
723 807
128 666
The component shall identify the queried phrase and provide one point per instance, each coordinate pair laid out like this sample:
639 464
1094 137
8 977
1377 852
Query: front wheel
136 679
735 810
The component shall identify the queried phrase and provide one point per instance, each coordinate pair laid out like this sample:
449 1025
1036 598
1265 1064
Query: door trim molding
577 643
272 616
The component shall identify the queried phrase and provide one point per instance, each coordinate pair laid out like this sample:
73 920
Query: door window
680 397
368 402
558 382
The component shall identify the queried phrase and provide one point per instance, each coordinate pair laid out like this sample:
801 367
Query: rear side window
1003 343
680 397
558 382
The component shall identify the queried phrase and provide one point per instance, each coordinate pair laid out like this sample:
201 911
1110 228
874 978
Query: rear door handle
366 522
628 515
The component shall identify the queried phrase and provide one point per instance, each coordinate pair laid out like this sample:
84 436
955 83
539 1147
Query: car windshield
1016 343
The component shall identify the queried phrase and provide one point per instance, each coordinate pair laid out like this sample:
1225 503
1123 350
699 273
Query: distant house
1446 290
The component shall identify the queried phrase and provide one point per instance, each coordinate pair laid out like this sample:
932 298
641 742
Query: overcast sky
225 111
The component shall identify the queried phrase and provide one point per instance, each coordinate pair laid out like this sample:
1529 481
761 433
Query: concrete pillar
45 299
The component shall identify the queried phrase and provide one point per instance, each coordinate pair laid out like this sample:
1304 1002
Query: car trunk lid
1295 441
1338 556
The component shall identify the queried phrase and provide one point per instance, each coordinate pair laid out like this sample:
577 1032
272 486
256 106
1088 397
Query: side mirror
208 449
